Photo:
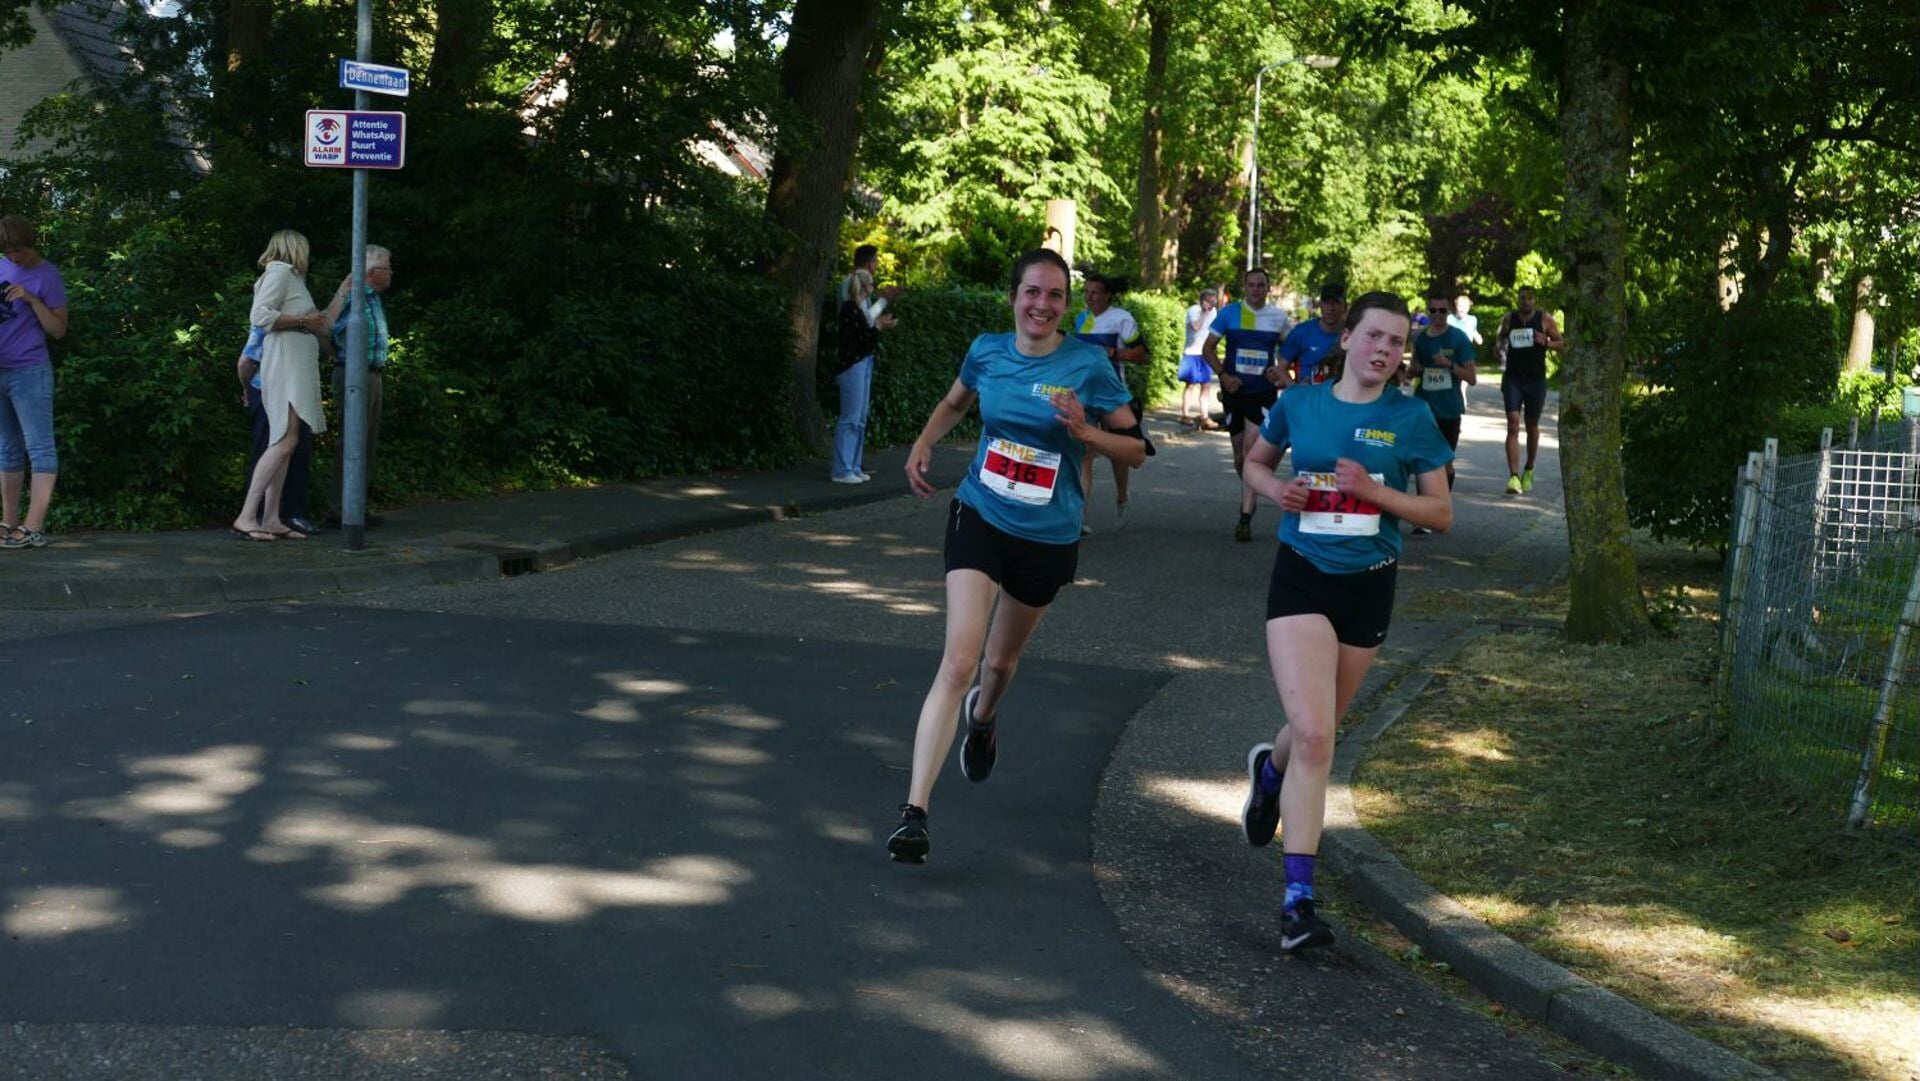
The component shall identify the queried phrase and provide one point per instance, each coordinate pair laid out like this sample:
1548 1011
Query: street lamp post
1253 187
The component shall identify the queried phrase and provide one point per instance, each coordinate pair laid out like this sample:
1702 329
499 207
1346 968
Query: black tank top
1529 362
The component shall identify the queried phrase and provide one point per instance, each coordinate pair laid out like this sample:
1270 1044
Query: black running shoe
982 747
910 842
1260 818
1301 928
1244 530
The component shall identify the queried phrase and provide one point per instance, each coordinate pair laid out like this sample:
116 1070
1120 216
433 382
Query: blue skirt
1193 369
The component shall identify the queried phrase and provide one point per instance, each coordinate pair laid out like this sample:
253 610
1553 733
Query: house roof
87 29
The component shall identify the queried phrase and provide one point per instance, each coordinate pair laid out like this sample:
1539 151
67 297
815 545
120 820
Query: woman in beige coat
289 379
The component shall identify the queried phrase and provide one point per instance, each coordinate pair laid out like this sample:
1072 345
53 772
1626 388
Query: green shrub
1719 394
1163 323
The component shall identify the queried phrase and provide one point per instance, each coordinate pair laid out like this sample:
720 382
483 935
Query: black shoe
982 747
1301 928
301 525
910 843
1244 530
1260 818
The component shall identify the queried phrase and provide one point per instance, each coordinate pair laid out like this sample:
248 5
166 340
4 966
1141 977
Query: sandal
287 534
257 536
18 537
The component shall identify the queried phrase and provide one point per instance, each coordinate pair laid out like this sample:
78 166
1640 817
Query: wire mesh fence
1819 613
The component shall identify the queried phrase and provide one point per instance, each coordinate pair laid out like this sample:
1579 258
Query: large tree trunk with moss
1149 216
1596 134
821 73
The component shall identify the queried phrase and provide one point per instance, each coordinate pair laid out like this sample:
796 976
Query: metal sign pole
353 470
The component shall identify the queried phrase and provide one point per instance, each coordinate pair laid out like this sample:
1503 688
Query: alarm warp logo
326 139
327 131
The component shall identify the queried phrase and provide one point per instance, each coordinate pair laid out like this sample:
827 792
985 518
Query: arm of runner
1211 351
1123 444
1551 332
950 411
1263 458
1131 352
1432 508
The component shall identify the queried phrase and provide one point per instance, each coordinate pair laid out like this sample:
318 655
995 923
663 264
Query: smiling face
1374 347
1098 296
1039 301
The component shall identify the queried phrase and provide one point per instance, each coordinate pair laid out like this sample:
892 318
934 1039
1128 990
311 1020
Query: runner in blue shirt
1013 531
1250 371
1355 442
1443 360
1116 333
1307 343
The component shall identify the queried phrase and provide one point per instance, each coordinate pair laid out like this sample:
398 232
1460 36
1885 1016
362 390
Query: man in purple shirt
33 308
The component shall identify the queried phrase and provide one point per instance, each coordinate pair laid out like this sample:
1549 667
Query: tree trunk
1596 135
821 73
1860 342
461 32
1149 218
244 30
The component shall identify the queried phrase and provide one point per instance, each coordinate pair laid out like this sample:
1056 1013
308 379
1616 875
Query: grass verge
1586 801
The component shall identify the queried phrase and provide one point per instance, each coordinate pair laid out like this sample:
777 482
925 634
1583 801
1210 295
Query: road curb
422 566
1521 980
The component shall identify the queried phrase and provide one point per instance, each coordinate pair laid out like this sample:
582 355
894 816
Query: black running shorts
1244 409
1030 572
1359 605
1449 430
1527 396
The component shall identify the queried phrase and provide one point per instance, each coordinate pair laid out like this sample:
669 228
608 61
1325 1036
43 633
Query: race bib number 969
1019 473
1332 512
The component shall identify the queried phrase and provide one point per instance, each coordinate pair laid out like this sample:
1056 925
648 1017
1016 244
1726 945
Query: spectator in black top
862 317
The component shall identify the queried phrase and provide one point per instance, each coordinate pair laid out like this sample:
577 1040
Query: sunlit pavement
640 801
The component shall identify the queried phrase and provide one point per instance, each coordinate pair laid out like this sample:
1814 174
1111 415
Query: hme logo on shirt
1373 437
1048 390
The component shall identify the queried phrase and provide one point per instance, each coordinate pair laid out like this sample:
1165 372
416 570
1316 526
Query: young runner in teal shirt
1330 597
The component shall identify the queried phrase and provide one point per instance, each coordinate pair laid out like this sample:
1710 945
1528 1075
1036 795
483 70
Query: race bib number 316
1017 472
1332 512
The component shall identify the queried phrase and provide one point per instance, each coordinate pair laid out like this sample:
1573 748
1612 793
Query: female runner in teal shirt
1355 442
1014 527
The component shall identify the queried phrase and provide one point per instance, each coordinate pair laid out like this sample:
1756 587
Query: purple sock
1269 777
1299 879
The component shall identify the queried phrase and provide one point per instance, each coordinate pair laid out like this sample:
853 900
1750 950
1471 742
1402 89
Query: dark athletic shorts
1449 430
1359 605
1527 396
1030 572
1244 409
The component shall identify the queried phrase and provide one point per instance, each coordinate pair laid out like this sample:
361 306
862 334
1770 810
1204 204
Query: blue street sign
338 139
374 78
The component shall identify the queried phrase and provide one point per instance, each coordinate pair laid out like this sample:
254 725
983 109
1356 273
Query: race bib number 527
1019 473
1332 512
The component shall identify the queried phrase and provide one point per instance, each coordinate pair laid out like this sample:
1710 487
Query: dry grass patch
1584 801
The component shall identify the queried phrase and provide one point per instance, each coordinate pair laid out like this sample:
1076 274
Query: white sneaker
849 478
864 475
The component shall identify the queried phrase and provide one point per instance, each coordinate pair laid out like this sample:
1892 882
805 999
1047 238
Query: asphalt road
631 811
